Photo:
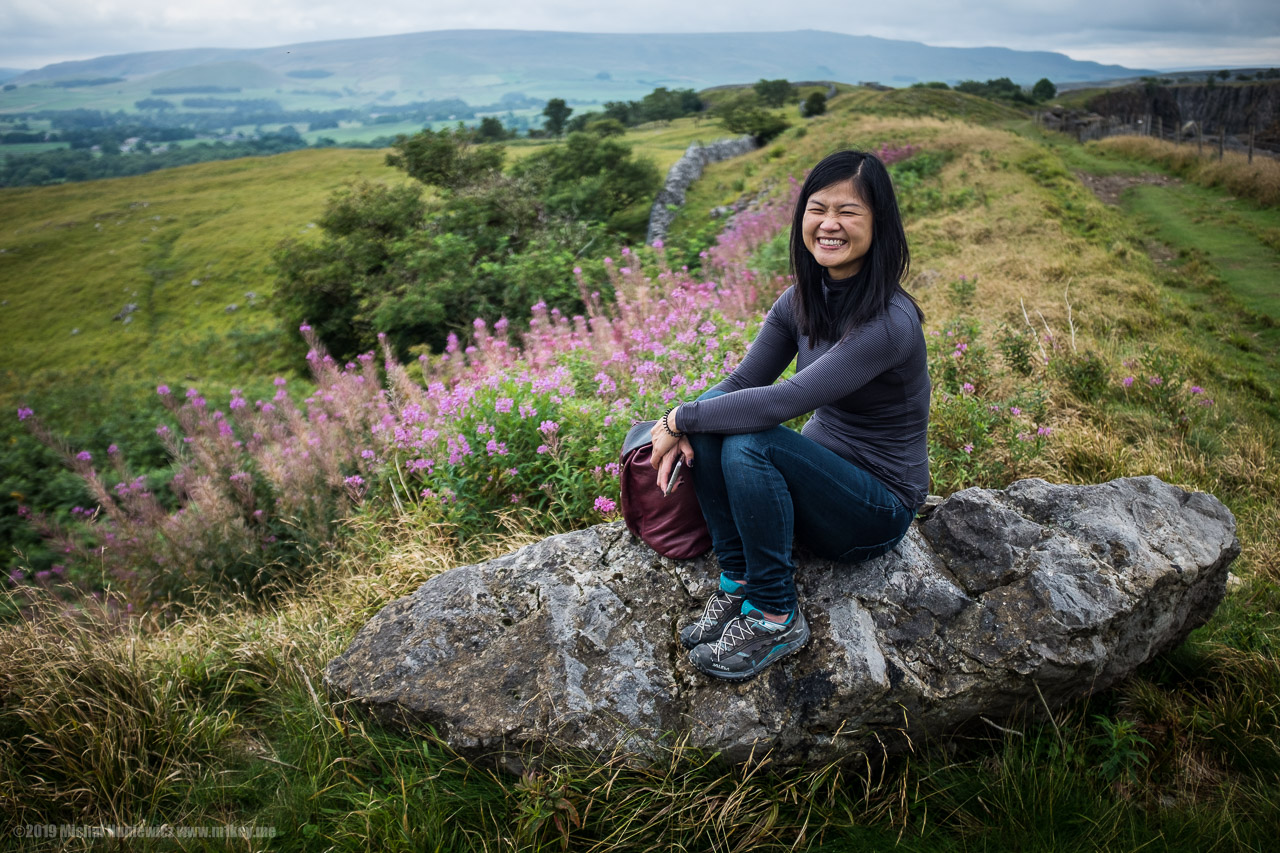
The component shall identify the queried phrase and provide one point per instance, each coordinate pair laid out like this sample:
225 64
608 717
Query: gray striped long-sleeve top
869 393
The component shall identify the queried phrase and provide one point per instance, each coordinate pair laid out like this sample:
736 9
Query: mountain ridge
483 64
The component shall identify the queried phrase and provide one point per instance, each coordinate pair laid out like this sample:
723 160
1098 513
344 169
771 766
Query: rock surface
996 599
683 173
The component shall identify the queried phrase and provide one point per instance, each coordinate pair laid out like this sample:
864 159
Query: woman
849 484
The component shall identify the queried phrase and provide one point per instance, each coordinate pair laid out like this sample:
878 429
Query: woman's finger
664 469
686 450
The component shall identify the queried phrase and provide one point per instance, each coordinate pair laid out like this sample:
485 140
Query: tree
775 93
605 127
591 177
446 159
1224 74
557 113
364 229
491 130
814 105
745 115
1044 90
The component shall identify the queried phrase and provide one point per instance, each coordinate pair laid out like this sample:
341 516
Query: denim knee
745 447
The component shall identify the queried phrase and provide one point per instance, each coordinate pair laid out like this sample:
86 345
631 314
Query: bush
590 177
814 105
446 159
744 115
1086 374
774 93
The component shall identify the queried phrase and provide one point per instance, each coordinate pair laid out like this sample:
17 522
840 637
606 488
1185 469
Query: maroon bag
670 524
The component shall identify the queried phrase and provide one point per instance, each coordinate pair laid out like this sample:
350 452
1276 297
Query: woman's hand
680 448
667 448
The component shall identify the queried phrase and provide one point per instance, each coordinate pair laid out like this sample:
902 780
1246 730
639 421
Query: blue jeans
760 490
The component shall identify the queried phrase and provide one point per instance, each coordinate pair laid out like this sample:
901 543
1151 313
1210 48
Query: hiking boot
749 643
722 606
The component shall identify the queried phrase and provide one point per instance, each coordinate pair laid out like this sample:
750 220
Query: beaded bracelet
667 426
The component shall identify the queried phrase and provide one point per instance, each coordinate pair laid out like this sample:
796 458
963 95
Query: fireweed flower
84 456
967 388
24 413
968 448
162 390
548 428
604 505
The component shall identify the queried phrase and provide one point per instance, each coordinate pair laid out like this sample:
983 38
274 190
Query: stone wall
682 175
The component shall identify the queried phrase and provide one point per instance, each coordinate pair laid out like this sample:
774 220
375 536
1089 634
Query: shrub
745 115
1086 374
814 105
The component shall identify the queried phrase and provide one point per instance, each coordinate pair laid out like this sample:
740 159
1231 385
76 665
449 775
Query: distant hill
7 74
480 66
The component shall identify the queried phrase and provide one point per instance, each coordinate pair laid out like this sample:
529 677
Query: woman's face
837 229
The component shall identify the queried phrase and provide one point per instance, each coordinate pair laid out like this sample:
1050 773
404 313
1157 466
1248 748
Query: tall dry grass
1259 180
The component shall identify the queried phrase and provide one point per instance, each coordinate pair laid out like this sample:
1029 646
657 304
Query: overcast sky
1160 34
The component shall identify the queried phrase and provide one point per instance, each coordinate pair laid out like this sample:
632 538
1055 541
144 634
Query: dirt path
1108 188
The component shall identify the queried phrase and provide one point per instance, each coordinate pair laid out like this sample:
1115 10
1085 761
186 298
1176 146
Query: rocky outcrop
685 171
1166 110
1034 595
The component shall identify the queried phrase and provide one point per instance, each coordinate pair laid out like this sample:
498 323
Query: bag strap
637 436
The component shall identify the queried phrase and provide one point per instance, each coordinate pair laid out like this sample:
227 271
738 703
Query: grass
1259 180
1240 241
75 255
219 717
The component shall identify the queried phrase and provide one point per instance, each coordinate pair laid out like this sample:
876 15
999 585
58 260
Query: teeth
830 241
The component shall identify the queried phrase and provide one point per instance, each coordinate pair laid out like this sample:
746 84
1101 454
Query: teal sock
756 616
731 586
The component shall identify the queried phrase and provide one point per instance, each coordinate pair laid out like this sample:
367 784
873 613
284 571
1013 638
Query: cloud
36 32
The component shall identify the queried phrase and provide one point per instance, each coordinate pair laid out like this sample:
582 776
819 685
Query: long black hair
886 262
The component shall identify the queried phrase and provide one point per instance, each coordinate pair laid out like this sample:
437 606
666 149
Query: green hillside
75 255
1071 338
182 245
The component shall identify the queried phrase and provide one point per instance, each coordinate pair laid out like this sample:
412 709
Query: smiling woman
837 229
848 485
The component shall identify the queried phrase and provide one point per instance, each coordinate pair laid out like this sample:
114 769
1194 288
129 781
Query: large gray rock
998 599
